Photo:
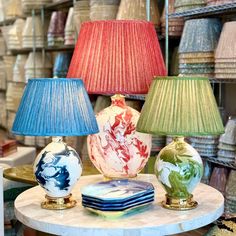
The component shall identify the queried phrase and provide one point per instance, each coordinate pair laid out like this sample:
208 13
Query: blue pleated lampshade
55 107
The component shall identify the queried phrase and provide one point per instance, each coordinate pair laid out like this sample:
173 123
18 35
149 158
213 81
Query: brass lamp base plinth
180 204
58 203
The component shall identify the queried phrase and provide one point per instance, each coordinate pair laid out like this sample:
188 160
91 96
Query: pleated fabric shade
180 106
117 56
55 107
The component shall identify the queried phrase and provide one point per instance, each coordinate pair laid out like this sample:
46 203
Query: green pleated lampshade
180 106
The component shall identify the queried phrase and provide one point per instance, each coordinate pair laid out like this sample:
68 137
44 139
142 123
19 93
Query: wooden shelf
59 5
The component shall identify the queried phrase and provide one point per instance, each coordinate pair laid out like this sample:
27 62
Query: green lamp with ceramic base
180 107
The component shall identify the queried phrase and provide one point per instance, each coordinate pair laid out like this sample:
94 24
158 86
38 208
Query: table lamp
56 107
180 106
117 57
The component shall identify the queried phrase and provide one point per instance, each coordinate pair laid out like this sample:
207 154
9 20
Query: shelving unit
211 11
59 5
228 8
230 165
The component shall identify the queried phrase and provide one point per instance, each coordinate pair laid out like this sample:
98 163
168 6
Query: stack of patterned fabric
176 25
205 145
136 10
56 30
197 45
227 145
183 5
225 56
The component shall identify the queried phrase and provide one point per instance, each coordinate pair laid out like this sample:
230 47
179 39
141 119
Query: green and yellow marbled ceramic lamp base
181 204
60 203
179 169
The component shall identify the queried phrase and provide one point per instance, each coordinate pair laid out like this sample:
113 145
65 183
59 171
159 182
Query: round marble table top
155 220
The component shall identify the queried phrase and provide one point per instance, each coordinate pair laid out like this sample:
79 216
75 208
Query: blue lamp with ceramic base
57 108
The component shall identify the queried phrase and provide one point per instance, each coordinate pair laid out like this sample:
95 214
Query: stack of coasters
117 197
7 147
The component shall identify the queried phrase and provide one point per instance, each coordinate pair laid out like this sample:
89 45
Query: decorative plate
117 190
116 208
116 203
118 214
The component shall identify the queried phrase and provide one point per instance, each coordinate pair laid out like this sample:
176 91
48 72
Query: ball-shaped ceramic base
57 168
118 151
179 169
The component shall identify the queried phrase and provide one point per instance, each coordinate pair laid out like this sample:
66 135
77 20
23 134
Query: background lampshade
136 10
200 35
175 26
180 106
109 57
225 54
197 46
61 64
56 107
56 30
103 10
117 57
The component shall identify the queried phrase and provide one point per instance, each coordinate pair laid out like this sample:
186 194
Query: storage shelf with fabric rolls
37 18
213 59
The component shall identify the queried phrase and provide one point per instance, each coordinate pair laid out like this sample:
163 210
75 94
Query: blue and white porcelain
57 168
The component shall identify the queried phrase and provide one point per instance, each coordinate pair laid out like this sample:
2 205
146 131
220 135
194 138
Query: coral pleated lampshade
117 57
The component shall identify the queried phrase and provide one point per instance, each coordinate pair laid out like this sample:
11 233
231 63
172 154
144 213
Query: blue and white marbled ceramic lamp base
57 168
